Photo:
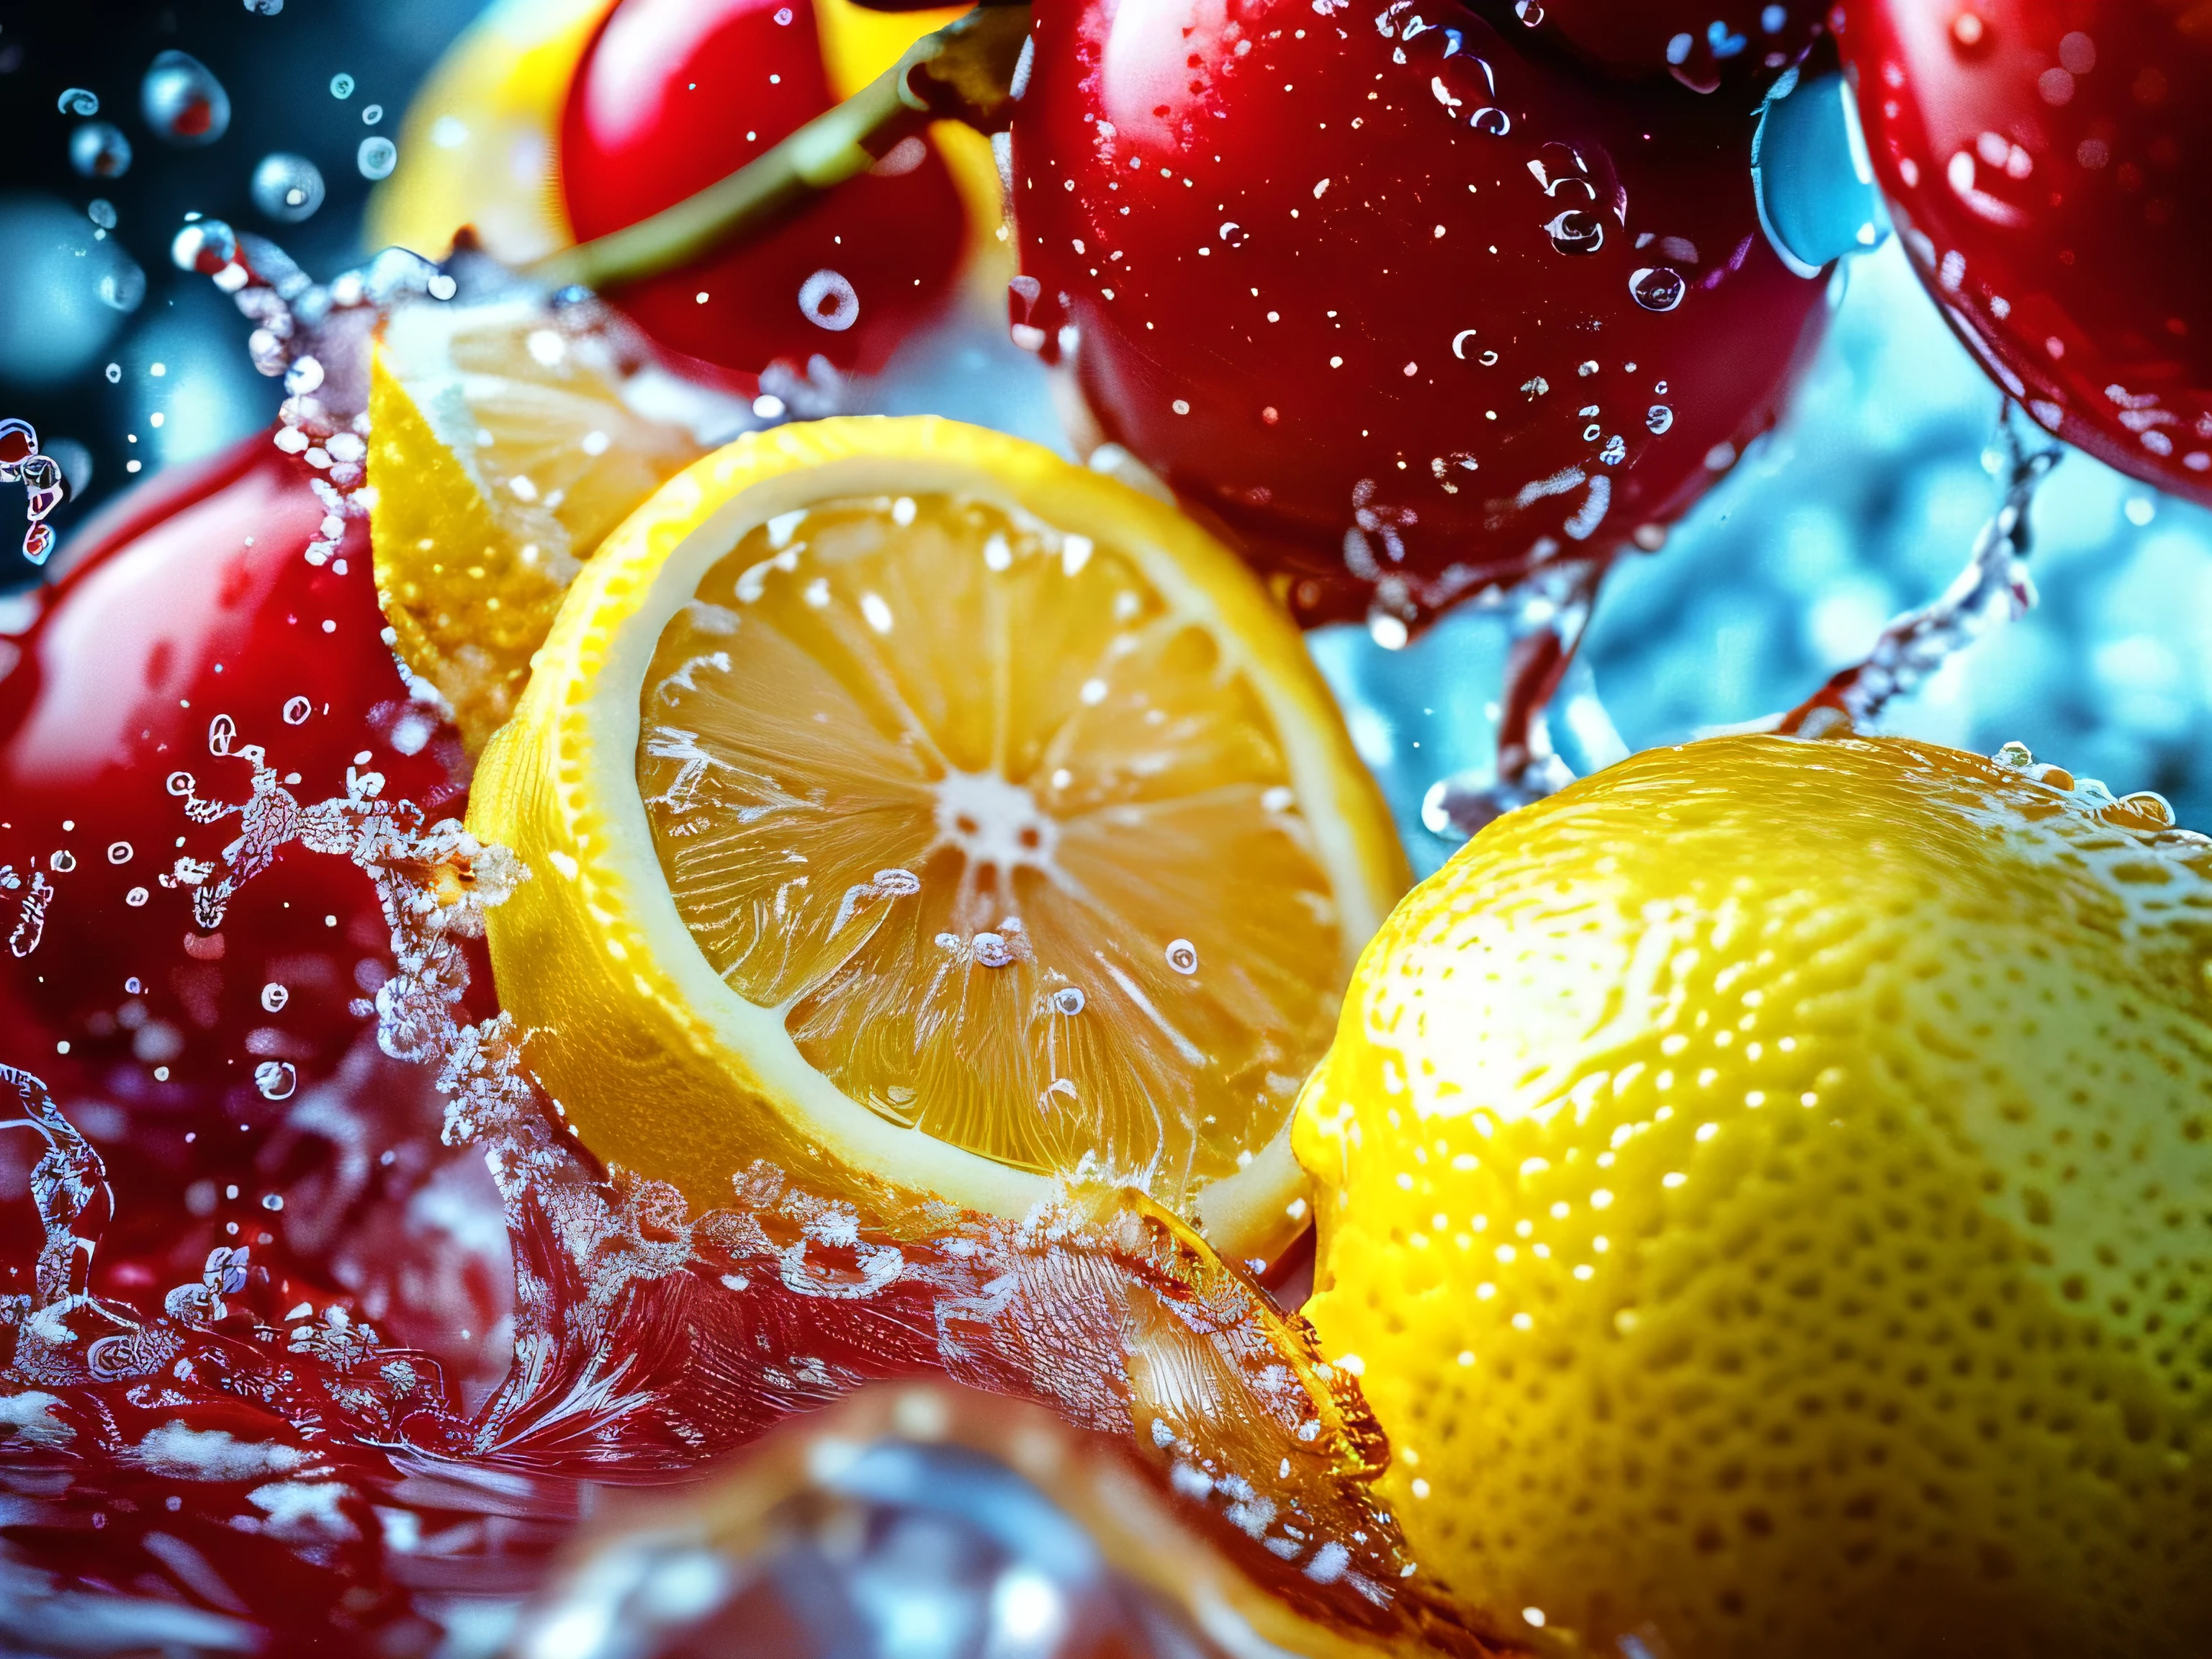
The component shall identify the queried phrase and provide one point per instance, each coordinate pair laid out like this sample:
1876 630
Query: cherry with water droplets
1704 44
1387 295
673 95
2048 163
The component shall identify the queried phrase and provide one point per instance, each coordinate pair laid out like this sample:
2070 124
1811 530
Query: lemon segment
501 452
912 807
1764 1190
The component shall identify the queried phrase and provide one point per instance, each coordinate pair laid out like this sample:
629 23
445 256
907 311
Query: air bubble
288 188
122 287
296 710
372 113
376 158
62 862
1657 288
78 102
137 897
992 950
1182 956
119 852
275 996
264 7
1658 418
1529 11
275 1079
101 212
1067 1001
342 85
1235 235
183 101
830 301
98 149
114 371
1578 231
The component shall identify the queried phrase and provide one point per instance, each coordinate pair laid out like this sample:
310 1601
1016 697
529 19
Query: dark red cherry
1407 309
674 94
189 631
1704 44
2050 162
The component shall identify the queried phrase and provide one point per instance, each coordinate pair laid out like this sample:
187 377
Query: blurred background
1863 503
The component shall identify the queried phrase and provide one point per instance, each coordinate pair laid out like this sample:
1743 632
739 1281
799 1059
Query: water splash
1994 587
1549 614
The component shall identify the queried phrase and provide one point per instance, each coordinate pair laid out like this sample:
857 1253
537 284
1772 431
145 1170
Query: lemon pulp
914 809
1016 853
1765 1190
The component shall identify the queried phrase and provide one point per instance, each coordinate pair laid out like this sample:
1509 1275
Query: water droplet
304 376
2016 755
1658 418
372 113
101 212
1067 1001
341 85
205 247
376 158
296 710
137 897
2149 803
183 101
1235 235
63 861
275 996
114 374
1657 288
1182 956
275 1079
119 852
288 188
98 149
1529 11
992 950
830 301
1577 231
264 7
124 285
78 102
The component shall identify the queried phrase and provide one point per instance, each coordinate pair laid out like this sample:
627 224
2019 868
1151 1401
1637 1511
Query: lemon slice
505 445
911 807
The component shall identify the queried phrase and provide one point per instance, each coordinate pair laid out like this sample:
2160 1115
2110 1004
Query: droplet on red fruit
1657 288
1658 418
830 301
1578 231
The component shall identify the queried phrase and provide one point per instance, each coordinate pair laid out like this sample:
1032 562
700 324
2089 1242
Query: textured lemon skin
657 1065
1883 1073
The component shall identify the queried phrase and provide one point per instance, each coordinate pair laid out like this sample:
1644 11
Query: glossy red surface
1362 288
1704 44
675 94
198 602
2049 162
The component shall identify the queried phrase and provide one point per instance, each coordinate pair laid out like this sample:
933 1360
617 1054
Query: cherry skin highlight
674 94
1405 310
2048 164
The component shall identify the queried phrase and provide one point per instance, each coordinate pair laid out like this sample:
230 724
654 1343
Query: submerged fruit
1764 1194
908 802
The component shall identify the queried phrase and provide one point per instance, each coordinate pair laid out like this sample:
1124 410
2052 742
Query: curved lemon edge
558 785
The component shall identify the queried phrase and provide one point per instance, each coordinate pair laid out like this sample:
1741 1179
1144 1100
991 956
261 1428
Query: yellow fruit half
1765 1191
910 807
505 445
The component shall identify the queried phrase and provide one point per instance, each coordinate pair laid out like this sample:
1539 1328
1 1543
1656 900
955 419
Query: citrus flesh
914 808
1764 1191
504 446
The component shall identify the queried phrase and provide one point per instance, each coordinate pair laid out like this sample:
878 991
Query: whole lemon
1765 1190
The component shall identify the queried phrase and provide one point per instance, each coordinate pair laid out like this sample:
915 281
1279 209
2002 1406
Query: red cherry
674 94
2049 162
1408 310
196 605
1704 44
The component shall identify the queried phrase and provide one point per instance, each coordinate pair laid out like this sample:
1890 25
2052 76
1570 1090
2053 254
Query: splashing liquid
339 1352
